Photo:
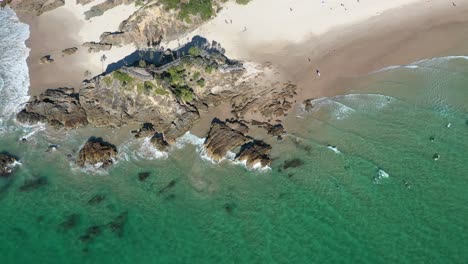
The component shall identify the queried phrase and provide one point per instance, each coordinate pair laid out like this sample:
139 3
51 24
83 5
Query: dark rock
169 186
117 225
142 176
159 142
7 163
32 184
97 152
308 106
276 130
221 139
70 51
238 125
52 148
59 107
94 47
97 199
46 60
146 130
292 163
256 152
37 7
71 222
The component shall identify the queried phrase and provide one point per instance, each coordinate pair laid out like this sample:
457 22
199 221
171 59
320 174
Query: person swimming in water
318 72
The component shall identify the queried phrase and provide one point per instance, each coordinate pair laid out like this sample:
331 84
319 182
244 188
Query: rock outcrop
98 153
97 47
46 60
70 51
36 7
222 139
7 163
168 97
256 153
58 107
99 9
160 142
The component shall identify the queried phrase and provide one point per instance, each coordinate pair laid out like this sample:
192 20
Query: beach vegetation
122 77
107 80
194 51
209 69
201 82
184 93
202 8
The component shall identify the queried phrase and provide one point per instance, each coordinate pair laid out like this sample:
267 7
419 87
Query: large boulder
36 7
221 139
255 153
7 163
160 142
98 153
58 107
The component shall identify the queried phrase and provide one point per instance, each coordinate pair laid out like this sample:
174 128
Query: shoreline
408 38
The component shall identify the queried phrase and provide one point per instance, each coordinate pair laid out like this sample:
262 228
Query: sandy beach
66 27
328 36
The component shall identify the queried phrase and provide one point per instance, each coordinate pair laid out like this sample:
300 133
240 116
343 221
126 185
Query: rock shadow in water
70 222
96 199
33 184
293 163
142 176
117 225
169 186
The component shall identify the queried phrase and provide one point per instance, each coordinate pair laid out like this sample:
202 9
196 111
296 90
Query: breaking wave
14 75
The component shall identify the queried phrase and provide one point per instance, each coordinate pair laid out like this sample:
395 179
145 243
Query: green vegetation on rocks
122 77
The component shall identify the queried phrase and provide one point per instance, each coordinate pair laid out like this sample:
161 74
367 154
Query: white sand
91 30
270 21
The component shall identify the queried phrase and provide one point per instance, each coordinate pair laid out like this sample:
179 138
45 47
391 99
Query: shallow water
354 182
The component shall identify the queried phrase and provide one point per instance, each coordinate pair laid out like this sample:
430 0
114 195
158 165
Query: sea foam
14 75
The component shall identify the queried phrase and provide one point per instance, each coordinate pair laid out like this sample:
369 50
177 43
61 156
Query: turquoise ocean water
378 196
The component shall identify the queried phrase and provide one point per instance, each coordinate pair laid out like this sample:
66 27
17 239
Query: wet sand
399 36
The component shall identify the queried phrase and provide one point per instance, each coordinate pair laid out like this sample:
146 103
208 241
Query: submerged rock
255 153
72 221
32 184
142 176
91 233
221 139
117 225
169 186
7 163
97 199
292 163
98 153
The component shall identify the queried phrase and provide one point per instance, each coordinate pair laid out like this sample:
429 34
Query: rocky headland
167 95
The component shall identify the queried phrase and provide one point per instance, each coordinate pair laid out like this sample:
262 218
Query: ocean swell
14 75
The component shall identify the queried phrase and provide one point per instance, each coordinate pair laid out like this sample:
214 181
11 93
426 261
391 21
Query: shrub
124 78
194 51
